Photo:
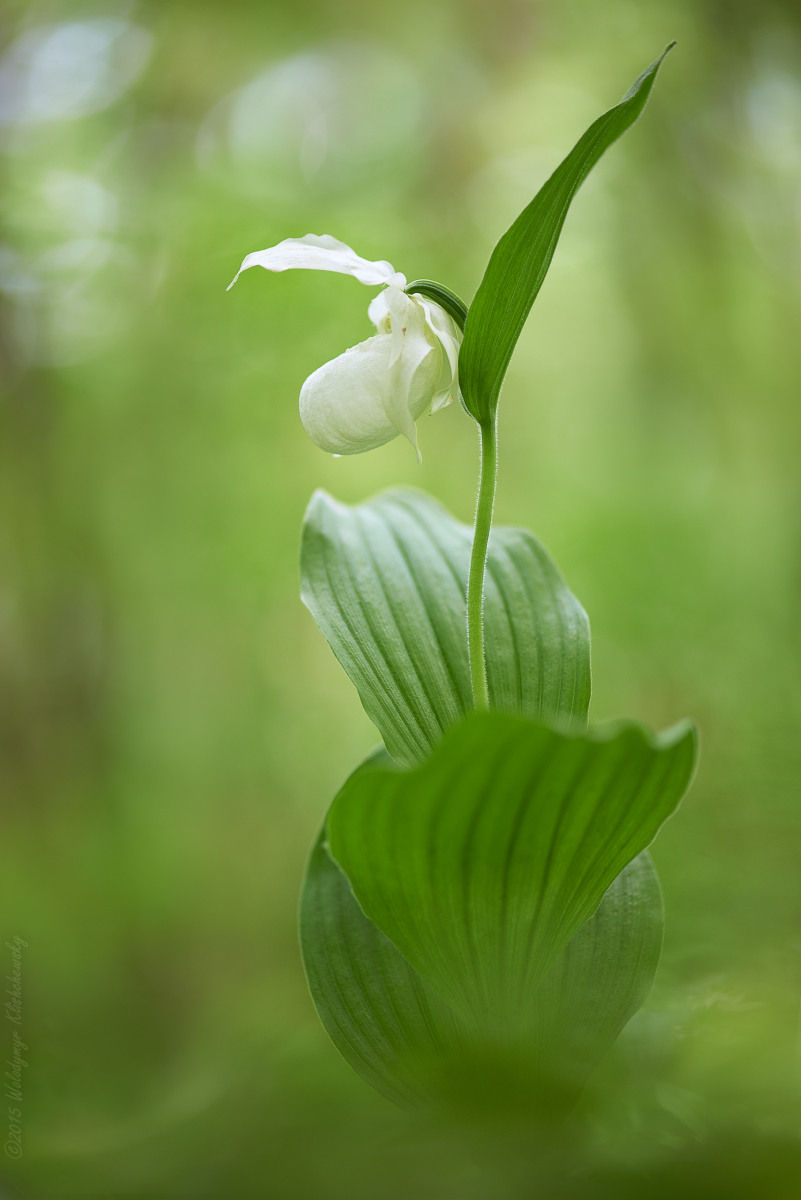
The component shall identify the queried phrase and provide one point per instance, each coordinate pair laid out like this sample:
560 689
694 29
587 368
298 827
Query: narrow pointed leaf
521 259
386 582
481 865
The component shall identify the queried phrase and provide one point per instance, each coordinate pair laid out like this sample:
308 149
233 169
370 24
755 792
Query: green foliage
481 864
521 259
602 977
447 914
173 726
398 1034
478 928
385 582
389 1024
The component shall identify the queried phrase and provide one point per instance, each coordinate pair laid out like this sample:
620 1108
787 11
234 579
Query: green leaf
602 977
482 864
521 259
400 1037
381 1015
386 583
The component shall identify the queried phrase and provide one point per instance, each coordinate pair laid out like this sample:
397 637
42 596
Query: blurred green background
172 725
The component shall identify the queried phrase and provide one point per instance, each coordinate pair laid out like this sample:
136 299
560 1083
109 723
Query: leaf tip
682 736
681 731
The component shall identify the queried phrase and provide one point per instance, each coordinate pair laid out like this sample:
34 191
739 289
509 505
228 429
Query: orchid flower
379 388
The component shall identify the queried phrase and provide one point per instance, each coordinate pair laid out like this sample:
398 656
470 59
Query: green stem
488 473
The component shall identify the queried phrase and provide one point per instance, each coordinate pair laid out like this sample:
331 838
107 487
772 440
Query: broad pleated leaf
602 977
400 1037
521 259
482 864
386 583
381 1015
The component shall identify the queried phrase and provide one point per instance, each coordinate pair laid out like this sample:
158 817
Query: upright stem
488 472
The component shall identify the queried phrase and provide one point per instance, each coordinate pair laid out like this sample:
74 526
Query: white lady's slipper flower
378 389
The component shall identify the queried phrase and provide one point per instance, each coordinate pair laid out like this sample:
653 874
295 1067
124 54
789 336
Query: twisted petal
412 346
346 406
449 336
321 253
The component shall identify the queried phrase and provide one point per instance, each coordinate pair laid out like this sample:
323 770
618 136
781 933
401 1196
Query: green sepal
441 295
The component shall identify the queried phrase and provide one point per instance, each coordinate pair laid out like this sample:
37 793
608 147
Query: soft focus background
172 725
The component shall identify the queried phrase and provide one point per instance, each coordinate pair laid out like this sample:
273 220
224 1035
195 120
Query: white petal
415 357
321 253
343 405
450 337
379 312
